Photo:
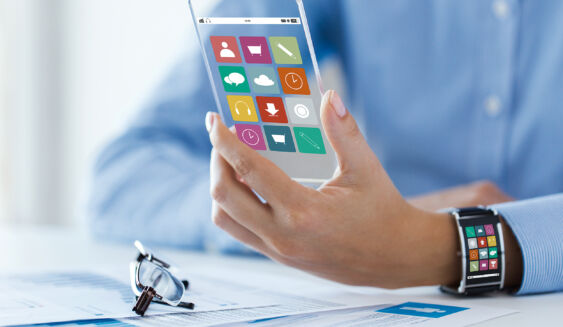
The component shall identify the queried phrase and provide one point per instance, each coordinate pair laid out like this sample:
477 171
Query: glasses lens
164 283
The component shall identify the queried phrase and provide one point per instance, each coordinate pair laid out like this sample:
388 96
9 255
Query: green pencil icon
286 50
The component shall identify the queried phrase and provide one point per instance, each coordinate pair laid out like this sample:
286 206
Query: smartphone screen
265 79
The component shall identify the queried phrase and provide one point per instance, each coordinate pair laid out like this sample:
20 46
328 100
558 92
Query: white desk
37 248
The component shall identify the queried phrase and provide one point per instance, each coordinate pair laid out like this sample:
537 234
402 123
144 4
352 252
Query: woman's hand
355 229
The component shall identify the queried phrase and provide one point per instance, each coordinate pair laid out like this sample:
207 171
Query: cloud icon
234 78
263 80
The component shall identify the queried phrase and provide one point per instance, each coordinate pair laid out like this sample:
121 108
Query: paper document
292 305
405 314
55 297
223 297
306 303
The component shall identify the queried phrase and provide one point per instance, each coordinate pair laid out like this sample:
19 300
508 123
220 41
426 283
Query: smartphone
266 81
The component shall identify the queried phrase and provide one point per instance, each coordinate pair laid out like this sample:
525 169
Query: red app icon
493 264
272 110
482 242
226 49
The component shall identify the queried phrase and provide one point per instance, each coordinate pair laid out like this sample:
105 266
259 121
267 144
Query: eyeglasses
152 281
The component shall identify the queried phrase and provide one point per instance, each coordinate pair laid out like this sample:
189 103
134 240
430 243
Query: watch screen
484 252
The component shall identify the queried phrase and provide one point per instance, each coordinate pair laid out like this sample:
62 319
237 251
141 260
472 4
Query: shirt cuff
537 224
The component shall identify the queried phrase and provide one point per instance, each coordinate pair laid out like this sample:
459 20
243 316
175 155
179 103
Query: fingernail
209 119
337 104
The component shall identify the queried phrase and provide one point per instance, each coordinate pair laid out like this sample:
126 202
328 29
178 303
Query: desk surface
59 248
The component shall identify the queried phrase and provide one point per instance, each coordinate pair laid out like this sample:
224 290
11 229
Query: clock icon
250 137
294 81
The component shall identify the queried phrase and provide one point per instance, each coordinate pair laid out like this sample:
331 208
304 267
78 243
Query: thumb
352 151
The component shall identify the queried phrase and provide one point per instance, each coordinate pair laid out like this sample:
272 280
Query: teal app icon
480 230
234 79
309 140
264 80
279 138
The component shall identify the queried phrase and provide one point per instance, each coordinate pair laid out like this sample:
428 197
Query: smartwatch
482 251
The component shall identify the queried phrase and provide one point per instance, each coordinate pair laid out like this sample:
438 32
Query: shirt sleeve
538 226
152 182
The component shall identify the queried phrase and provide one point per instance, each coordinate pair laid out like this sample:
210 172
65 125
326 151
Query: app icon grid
256 70
483 250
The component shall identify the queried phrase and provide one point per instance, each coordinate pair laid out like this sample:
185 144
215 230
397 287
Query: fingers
236 198
353 153
259 173
239 232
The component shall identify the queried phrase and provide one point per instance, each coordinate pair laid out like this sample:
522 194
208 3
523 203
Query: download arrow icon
271 109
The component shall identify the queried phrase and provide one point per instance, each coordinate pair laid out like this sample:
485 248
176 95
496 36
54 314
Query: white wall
3 120
31 106
74 74
117 51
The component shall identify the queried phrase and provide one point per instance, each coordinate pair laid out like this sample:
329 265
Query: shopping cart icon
279 138
255 50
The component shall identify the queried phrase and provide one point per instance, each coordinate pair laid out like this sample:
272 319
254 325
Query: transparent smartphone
266 81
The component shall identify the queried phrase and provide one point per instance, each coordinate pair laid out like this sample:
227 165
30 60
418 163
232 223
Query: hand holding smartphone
266 81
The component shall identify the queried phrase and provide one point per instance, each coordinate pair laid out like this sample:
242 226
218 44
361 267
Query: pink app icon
489 230
483 264
251 135
255 49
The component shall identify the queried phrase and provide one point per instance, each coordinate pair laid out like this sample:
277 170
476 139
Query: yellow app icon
242 108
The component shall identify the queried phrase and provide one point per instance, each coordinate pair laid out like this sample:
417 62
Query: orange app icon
294 81
473 254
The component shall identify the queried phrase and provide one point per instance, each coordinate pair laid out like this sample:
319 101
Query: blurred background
72 73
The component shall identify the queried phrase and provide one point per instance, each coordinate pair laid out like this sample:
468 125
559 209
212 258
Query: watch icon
250 137
294 81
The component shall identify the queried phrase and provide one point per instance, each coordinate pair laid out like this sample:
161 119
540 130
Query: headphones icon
247 108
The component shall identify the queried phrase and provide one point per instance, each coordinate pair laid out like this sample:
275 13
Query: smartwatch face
483 250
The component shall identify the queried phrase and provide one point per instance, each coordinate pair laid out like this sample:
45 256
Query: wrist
435 253
434 250
513 257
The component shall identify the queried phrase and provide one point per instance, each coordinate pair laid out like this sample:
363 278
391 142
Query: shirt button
493 105
500 9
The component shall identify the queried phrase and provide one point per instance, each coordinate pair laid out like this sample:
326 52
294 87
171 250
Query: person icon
226 52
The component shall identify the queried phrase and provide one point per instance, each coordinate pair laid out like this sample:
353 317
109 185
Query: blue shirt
447 92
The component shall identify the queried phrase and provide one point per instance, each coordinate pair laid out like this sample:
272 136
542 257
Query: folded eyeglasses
153 281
